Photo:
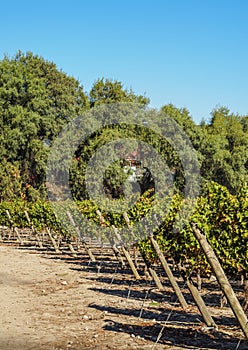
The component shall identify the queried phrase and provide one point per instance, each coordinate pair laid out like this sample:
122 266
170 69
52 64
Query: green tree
225 149
105 91
36 101
10 181
108 91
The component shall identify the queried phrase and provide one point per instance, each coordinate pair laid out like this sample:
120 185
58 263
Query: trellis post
222 279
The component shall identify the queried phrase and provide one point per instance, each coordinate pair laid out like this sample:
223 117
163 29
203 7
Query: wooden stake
33 230
118 255
156 279
168 272
246 290
149 272
112 240
88 250
130 262
200 303
222 279
72 250
14 227
56 248
127 255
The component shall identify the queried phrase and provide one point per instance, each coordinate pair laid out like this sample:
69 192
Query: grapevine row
222 216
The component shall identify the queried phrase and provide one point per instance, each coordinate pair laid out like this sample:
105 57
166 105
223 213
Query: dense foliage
222 216
37 100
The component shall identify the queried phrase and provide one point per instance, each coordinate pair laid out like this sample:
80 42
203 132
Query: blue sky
192 53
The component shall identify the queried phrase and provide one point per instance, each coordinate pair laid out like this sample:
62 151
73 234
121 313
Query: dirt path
48 304
45 304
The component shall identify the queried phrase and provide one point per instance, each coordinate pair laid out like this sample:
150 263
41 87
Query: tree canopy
37 100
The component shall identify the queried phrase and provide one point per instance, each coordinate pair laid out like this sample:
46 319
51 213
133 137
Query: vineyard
176 250
170 269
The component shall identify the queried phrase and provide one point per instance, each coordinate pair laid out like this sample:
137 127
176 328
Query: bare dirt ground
51 302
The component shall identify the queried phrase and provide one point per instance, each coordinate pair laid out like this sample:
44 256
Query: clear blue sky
192 53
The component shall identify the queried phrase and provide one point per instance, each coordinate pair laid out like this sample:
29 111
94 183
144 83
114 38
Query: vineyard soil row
58 302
